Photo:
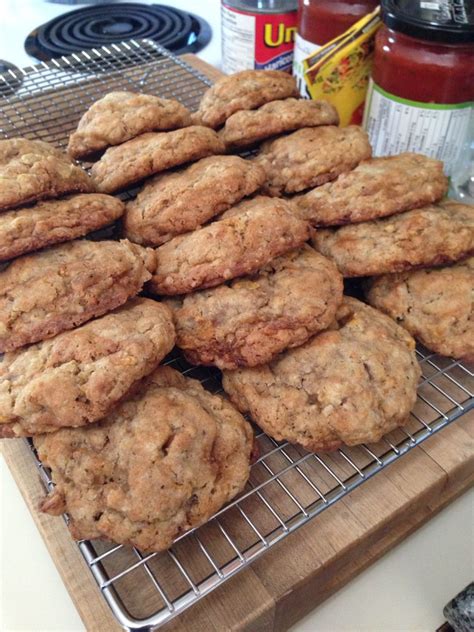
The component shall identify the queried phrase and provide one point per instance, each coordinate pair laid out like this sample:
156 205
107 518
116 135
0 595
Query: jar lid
449 21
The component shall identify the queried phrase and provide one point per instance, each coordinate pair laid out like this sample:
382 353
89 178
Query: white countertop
405 590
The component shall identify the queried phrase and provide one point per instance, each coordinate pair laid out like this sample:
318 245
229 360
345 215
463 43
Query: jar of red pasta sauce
421 93
319 22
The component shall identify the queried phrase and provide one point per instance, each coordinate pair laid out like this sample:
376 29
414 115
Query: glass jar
422 88
320 21
258 34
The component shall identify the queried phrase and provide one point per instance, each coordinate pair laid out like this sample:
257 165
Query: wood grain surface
306 567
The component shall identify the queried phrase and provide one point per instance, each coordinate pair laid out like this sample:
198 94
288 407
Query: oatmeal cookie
250 321
245 239
248 127
175 203
78 376
33 170
376 188
47 292
245 90
311 156
151 153
436 305
348 385
160 464
120 116
428 236
54 221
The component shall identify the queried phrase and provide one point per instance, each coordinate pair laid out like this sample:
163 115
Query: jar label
303 48
262 41
437 130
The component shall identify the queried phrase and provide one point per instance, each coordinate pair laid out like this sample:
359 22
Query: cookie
120 116
78 376
251 320
33 170
376 188
248 127
47 292
311 156
245 239
160 464
436 305
245 90
151 153
429 236
53 221
348 385
175 203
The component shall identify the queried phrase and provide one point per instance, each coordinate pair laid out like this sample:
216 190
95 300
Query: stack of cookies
244 260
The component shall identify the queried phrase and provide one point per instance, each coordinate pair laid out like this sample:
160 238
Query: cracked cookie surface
47 292
428 236
248 127
378 187
348 385
76 377
33 170
151 153
160 464
311 156
436 305
243 90
175 203
120 116
53 221
251 320
244 239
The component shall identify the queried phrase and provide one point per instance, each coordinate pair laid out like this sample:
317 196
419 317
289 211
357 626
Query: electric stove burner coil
96 26
11 78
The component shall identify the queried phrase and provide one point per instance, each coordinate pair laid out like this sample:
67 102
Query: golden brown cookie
179 202
348 385
151 153
248 127
376 188
78 376
54 221
47 292
120 116
251 320
160 464
311 156
436 305
245 239
33 170
429 236
245 90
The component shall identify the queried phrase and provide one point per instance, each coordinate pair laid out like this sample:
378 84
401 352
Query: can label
395 125
257 40
303 48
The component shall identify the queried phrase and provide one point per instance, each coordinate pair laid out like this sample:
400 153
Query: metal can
258 34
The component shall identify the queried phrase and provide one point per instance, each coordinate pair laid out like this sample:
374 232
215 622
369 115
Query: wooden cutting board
309 565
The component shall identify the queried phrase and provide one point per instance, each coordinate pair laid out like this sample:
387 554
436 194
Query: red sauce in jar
320 21
419 70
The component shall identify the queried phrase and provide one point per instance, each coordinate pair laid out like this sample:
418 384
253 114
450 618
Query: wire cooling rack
288 486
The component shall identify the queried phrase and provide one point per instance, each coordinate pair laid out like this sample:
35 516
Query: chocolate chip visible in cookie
311 156
245 239
160 464
348 385
151 153
175 203
251 320
428 236
120 116
248 127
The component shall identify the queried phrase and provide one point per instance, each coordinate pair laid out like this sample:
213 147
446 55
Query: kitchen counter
405 590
